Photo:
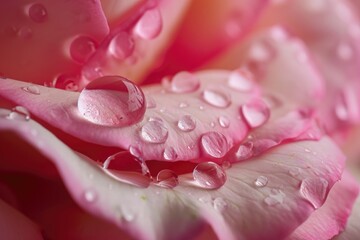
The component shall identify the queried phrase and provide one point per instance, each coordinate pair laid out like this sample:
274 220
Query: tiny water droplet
256 113
307 150
261 51
183 105
31 89
19 113
170 153
184 82
121 45
154 132
112 101
245 151
214 144
90 196
216 98
294 171
167 179
66 82
25 32
128 215
81 48
261 181
314 190
38 13
220 204
241 80
149 25
224 121
275 197
226 165
209 175
186 123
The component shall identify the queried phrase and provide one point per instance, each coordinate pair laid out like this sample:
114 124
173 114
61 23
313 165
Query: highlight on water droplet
256 113
186 123
216 98
38 13
184 82
19 113
209 175
170 153
81 48
314 190
149 25
112 101
154 132
31 89
261 181
241 80
121 45
167 179
224 121
214 144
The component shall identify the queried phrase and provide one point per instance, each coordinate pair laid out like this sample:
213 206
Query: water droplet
226 165
256 113
183 105
184 82
276 197
209 175
154 132
224 121
149 25
261 51
81 48
112 101
135 151
25 32
121 46
38 13
307 150
167 179
66 82
219 204
344 52
261 181
216 98
314 190
90 196
19 113
186 123
31 89
214 144
128 215
294 171
170 153
241 80
244 151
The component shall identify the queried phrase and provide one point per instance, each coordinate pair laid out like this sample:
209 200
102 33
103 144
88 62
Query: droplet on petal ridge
19 113
121 46
261 181
184 82
154 132
186 123
170 153
216 98
149 25
112 101
214 144
31 89
209 175
81 48
224 121
256 113
38 13
314 190
167 179
241 80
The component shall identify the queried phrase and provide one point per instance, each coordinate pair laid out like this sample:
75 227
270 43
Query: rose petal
297 183
30 31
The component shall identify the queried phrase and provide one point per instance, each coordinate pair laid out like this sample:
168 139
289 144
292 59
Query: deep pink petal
36 37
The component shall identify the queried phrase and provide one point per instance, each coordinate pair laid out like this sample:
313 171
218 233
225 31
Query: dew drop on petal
241 80
294 171
261 181
186 123
167 179
256 113
224 121
38 13
209 175
275 197
245 151
314 190
170 153
81 48
184 82
216 98
31 89
121 45
149 25
214 144
219 204
154 132
90 196
19 113
112 101
25 32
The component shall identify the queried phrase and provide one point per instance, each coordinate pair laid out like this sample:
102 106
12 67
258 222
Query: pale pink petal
172 114
297 182
331 218
36 38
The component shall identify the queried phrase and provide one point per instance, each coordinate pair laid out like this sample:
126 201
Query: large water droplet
314 190
241 80
216 98
224 121
167 179
186 123
149 25
154 132
38 13
219 204
121 46
31 89
19 113
112 101
184 82
82 48
245 151
90 196
214 144
209 175
256 113
261 181
170 153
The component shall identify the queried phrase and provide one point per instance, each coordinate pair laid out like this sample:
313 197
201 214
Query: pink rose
250 150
